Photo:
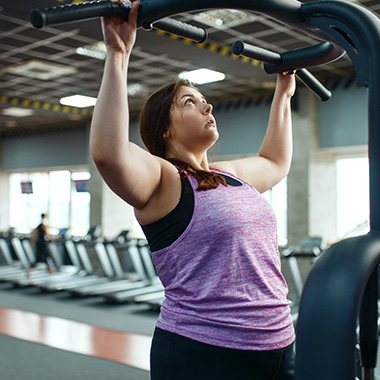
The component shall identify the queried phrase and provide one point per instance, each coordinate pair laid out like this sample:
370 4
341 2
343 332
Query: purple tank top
222 276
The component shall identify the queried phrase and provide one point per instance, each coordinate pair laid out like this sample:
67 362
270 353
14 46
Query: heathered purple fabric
222 276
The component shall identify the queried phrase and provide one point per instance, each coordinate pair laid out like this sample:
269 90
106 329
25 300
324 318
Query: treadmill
9 265
84 277
154 285
122 281
25 272
64 272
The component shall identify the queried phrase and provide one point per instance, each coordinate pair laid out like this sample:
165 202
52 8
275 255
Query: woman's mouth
211 122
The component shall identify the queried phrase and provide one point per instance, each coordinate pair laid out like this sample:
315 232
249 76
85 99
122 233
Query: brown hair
155 121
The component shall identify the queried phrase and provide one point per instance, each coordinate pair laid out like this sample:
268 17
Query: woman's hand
286 84
120 35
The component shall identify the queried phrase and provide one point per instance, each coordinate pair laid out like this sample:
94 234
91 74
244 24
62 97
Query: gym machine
343 284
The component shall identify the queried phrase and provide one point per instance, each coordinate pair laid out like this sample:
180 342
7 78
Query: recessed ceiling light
202 76
17 112
223 17
135 89
97 50
40 69
79 101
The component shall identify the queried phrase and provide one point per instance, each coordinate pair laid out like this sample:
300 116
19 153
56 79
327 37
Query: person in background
38 241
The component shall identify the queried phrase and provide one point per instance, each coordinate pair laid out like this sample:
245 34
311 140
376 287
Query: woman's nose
207 108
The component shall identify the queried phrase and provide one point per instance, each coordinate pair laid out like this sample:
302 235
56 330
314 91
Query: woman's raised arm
130 171
274 158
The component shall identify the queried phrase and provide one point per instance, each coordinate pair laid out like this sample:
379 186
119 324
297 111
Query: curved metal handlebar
40 17
275 63
286 11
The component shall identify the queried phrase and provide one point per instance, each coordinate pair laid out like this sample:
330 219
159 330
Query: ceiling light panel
41 70
135 89
202 76
17 112
97 50
224 17
79 101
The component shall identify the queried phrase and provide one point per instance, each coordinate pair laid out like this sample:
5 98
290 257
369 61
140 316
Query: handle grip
182 29
76 12
276 63
254 52
40 17
312 83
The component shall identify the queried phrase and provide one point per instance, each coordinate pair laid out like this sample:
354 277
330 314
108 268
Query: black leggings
174 357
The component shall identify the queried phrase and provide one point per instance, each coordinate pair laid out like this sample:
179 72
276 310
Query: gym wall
343 123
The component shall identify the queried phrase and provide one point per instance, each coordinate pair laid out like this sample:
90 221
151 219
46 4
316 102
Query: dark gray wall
343 118
241 129
49 149
343 122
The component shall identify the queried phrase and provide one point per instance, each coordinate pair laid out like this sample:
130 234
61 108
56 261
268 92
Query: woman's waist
254 328
224 310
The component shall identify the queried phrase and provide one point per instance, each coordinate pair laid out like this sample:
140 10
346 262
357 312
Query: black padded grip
182 29
311 82
254 52
40 17
276 63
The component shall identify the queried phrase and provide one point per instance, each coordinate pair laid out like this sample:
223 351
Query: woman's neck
198 163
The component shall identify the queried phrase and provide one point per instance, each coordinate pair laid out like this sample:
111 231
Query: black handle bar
294 61
40 17
181 29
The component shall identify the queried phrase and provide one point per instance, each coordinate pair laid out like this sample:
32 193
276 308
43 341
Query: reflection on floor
121 347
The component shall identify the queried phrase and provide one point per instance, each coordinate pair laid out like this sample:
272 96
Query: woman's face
192 124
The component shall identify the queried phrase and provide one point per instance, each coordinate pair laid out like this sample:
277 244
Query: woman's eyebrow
191 96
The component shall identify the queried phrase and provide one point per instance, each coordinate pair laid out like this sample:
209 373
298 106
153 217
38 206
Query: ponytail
206 180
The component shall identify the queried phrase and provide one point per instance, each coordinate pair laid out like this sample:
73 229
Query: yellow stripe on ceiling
226 51
46 106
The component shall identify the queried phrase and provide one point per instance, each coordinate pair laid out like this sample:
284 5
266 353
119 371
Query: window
80 203
26 207
61 194
59 199
352 196
277 197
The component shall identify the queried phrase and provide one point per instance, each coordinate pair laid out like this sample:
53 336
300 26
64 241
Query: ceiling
157 59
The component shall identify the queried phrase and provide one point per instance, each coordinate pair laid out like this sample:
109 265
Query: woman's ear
166 134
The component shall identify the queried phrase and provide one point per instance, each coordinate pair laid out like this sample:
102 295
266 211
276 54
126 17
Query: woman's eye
189 101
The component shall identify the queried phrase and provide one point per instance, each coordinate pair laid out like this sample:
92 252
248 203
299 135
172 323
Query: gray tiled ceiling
157 58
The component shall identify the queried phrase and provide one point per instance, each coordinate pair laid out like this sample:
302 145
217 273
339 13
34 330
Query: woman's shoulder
227 167
165 198
169 171
251 170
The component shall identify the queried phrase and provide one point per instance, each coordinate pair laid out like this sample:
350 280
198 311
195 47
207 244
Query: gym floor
47 336
55 336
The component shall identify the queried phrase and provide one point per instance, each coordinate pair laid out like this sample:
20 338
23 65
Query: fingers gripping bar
274 63
40 17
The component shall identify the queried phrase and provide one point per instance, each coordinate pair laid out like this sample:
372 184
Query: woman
212 235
